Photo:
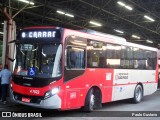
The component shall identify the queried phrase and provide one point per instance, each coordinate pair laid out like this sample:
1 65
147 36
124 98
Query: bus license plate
26 99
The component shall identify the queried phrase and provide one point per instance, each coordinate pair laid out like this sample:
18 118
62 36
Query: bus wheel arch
138 93
93 99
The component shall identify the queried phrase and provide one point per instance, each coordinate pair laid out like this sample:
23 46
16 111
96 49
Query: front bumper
53 102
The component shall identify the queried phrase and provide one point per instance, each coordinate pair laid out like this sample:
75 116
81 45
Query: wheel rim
139 94
92 101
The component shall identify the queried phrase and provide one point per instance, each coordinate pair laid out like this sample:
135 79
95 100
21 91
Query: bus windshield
38 60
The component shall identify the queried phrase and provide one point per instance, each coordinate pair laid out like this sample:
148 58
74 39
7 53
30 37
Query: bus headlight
55 90
51 92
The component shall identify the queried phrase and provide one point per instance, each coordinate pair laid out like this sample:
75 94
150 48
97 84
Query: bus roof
141 46
104 35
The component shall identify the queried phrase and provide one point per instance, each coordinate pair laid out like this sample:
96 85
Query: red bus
59 68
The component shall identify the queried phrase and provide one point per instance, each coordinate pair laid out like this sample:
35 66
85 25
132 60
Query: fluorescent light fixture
26 1
95 23
63 13
135 36
119 31
69 15
149 18
60 12
121 3
124 5
1 33
149 41
2 23
128 7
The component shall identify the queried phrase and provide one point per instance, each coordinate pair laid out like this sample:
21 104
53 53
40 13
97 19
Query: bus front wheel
90 101
138 94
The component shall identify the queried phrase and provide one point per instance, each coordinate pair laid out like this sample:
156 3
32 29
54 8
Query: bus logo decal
120 76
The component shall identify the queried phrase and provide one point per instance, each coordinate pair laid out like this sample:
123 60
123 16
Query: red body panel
157 69
97 77
32 91
76 89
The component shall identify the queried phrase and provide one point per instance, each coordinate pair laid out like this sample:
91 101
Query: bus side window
151 57
149 62
113 54
95 60
154 60
75 57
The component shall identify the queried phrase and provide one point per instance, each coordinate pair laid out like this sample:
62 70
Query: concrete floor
120 110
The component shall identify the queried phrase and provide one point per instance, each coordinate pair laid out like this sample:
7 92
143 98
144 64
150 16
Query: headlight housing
52 92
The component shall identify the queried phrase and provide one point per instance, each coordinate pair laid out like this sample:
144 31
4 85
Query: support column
4 43
9 35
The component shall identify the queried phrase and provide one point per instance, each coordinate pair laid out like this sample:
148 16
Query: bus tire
89 101
138 94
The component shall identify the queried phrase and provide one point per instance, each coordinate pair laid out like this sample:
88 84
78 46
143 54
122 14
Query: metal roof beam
120 17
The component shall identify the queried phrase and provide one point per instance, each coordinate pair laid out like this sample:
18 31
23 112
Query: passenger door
74 79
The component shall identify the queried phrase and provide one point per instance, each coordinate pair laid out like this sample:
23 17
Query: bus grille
33 99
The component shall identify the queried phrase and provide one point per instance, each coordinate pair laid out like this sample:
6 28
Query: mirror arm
11 59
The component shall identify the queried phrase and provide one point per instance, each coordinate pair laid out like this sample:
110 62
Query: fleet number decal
35 91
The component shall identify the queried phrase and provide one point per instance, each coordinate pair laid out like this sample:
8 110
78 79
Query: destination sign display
39 34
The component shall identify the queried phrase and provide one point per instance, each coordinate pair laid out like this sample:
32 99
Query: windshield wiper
22 52
35 49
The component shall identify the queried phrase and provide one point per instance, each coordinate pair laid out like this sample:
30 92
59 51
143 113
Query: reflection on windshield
38 60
